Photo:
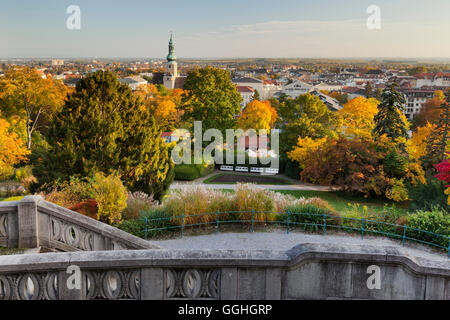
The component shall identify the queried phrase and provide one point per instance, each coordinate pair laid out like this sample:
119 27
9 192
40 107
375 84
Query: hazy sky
225 28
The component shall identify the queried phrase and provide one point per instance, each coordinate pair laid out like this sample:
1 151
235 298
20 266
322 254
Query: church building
172 79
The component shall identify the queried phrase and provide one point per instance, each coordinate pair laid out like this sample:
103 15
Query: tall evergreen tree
369 90
437 142
103 127
390 119
256 96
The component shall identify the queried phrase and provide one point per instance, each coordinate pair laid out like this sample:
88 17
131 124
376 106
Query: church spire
171 56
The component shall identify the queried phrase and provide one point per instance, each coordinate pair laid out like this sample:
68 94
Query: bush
18 198
137 226
435 220
292 170
111 197
428 196
69 194
137 202
22 173
310 215
88 208
186 172
189 172
248 197
194 201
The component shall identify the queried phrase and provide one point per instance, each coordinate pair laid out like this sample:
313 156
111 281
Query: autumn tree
164 104
430 111
419 140
258 115
103 127
212 98
304 116
437 142
12 149
357 117
24 93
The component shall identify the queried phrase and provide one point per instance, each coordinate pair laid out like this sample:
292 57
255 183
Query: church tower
171 73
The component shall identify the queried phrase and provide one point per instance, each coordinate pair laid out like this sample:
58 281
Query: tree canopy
103 127
212 98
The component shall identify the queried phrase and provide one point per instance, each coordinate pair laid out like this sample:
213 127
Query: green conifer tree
103 127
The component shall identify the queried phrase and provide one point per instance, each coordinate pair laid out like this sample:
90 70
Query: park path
295 186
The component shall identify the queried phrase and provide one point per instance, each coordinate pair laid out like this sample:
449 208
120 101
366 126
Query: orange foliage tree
431 111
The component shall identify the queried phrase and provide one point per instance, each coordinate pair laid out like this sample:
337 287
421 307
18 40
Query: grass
248 178
342 202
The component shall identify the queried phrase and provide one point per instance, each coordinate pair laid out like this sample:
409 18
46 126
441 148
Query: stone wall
309 271
33 222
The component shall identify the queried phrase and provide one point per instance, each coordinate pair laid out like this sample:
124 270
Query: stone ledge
224 258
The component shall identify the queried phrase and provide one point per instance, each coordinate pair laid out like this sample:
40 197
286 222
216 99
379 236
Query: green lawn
342 203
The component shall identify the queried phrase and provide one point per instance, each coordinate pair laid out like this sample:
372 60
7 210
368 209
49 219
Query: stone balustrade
33 222
308 271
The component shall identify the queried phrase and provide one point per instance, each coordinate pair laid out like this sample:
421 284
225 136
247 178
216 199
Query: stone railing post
27 215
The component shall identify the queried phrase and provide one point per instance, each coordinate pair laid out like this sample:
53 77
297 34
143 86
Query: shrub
292 170
398 191
186 172
18 198
111 197
88 208
69 194
310 216
248 197
137 226
137 202
27 182
196 200
428 196
435 220
22 173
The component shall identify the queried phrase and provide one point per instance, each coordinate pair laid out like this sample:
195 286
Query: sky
225 29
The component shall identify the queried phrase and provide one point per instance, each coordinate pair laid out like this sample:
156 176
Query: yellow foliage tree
164 104
305 146
419 140
24 93
12 149
258 115
357 117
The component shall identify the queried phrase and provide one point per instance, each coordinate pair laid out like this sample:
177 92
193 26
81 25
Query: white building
296 88
439 79
246 93
133 82
415 99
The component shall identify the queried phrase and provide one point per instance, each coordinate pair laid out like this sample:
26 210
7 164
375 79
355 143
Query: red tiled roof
244 89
